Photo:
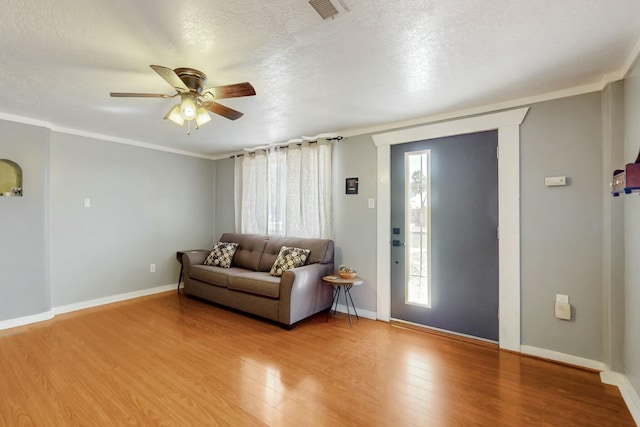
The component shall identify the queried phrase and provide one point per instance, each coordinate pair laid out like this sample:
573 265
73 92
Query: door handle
397 243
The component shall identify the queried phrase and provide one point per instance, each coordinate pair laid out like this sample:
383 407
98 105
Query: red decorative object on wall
626 181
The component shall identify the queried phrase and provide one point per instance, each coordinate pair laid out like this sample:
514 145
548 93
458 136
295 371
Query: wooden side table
337 284
179 255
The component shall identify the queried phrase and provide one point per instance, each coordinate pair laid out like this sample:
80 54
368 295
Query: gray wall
632 233
224 194
613 228
24 240
561 227
355 224
145 205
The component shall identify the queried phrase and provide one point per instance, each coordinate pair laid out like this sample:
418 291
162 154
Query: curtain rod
286 145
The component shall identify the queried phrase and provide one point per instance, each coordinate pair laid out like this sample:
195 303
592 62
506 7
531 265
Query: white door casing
508 125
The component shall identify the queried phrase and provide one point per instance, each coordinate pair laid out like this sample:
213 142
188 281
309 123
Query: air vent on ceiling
325 8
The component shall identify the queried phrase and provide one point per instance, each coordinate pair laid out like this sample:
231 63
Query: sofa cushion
221 254
254 282
287 259
213 275
321 250
249 251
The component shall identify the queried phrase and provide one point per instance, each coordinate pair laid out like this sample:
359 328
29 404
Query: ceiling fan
195 100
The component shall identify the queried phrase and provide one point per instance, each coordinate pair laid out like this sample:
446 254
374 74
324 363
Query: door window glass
417 218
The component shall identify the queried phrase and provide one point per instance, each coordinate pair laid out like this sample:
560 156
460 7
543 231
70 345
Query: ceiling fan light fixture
202 116
196 102
175 115
188 107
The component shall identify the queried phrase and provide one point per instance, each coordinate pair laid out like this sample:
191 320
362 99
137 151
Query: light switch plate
372 203
87 203
562 298
555 181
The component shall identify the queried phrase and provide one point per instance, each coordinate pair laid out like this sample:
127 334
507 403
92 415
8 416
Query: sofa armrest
302 292
190 258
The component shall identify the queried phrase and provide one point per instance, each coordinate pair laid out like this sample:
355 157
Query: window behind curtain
285 191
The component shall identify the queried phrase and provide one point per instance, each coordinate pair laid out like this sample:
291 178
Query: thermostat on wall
555 181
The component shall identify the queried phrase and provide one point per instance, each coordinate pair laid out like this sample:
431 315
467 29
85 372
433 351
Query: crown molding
549 96
60 129
25 120
564 93
506 105
125 141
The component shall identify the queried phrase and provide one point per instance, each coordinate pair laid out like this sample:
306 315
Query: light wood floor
169 360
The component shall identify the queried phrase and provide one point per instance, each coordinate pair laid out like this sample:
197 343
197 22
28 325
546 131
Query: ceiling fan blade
231 91
170 77
139 95
222 110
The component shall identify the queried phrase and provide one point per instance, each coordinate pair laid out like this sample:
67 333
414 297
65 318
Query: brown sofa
247 285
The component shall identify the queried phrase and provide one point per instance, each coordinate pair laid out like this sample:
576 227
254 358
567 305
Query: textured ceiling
383 61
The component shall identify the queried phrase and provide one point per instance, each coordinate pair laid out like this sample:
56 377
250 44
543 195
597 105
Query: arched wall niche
10 178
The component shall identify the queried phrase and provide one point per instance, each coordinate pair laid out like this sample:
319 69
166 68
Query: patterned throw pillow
221 254
289 258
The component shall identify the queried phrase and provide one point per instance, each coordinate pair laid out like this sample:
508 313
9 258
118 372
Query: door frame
507 123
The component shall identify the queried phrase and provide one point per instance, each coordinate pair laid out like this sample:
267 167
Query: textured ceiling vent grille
325 8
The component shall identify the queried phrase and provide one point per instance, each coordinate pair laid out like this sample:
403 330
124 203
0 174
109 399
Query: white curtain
285 191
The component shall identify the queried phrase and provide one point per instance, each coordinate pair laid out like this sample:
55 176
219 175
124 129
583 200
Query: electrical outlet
564 299
563 311
152 268
555 181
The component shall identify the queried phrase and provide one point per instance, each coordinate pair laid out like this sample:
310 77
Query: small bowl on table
345 275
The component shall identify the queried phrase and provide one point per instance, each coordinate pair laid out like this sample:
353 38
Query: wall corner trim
627 391
366 314
631 60
111 299
563 358
48 315
26 320
629 394
100 137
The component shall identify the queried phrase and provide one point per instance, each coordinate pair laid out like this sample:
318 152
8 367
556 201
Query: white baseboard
361 313
445 331
562 357
627 391
27 320
111 299
629 394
